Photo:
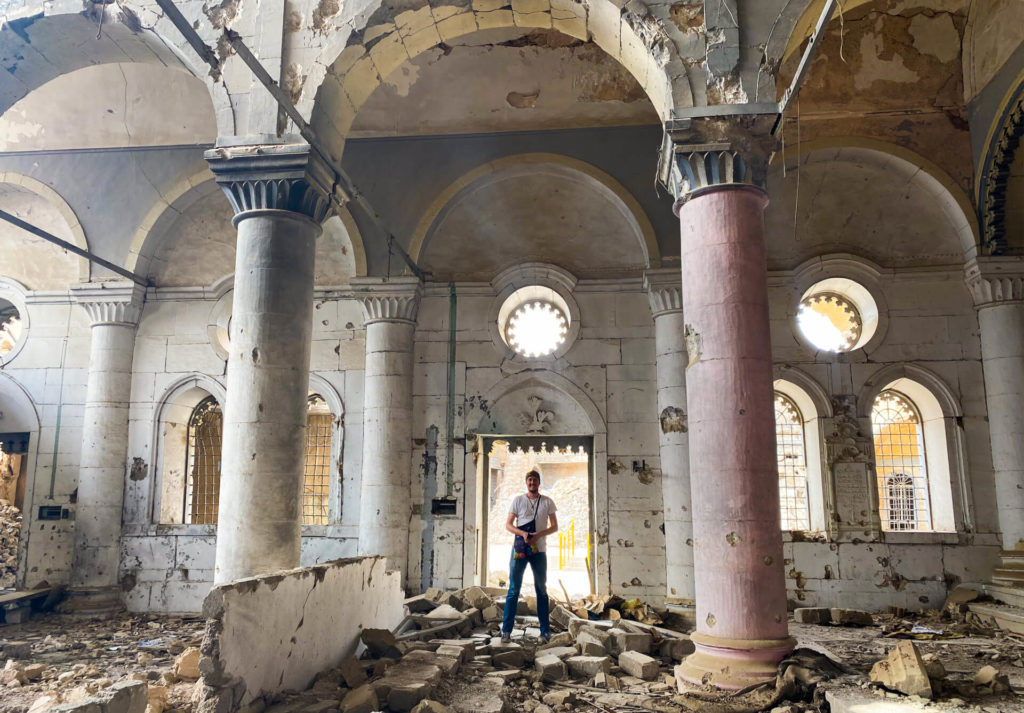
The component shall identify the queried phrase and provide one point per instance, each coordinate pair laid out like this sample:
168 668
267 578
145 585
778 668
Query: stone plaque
854 502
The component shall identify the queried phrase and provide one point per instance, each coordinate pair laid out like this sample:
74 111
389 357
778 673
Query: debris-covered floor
447 655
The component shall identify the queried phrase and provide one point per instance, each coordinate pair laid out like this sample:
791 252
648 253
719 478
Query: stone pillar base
732 664
92 602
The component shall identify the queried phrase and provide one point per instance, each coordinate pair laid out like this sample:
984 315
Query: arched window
900 463
316 481
792 464
203 458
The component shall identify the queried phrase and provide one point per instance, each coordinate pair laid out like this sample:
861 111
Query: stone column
113 309
665 293
997 285
739 580
278 210
389 310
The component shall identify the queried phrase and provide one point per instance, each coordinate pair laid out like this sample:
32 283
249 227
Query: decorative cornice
665 291
394 299
995 280
110 302
996 177
285 176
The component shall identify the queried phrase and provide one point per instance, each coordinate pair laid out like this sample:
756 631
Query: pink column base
732 664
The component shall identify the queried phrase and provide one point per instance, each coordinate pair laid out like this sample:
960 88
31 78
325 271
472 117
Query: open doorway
13 457
566 467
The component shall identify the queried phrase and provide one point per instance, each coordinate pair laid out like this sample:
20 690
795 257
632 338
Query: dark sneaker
506 638
545 639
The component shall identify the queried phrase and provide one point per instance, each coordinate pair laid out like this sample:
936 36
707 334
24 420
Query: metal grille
316 480
792 464
899 463
202 490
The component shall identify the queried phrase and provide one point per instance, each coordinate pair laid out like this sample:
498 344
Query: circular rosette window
837 315
535 322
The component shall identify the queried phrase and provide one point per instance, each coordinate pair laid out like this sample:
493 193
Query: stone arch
477 422
814 405
320 385
999 28
349 69
121 40
170 419
941 420
912 167
573 168
54 199
187 191
21 415
1001 150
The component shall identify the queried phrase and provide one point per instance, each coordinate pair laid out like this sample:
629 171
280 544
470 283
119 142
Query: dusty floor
78 656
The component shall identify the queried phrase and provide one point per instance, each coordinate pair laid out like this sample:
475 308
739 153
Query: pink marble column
739 579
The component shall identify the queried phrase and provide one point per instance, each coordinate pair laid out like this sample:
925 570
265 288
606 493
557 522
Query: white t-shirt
526 510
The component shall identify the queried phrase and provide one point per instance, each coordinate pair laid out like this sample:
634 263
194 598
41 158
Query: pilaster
117 303
995 280
390 299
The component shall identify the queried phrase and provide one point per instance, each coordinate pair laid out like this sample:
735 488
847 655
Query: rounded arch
526 379
944 399
119 40
188 190
54 199
955 204
993 173
612 189
20 415
814 406
992 33
19 412
185 384
942 430
809 395
350 68
321 386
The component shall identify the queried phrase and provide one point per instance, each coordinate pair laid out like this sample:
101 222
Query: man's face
533 484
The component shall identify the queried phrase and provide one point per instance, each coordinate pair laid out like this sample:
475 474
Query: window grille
316 479
792 465
900 463
202 491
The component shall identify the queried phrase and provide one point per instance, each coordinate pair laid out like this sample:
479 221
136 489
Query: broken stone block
562 616
406 694
44 703
352 672
903 671
444 611
476 597
12 673
562 639
561 697
640 665
491 613
506 676
447 664
124 697
550 668
157 698
17 649
851 617
429 706
590 648
936 671
360 700
459 653
509 658
559 652
956 602
675 649
381 643
34 671
484 697
588 666
990 678
812 615
326 706
622 640
88 706
186 666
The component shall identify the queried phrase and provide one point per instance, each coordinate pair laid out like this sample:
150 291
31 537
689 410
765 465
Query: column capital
995 280
388 299
273 176
110 302
664 290
715 151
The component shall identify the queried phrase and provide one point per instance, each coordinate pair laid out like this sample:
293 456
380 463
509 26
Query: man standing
534 517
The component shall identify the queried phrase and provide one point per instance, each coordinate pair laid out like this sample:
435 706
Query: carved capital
714 151
995 280
394 299
665 291
110 302
285 176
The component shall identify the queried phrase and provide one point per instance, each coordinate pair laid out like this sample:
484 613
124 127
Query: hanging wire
842 30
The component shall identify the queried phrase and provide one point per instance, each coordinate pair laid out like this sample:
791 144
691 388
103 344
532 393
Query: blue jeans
539 564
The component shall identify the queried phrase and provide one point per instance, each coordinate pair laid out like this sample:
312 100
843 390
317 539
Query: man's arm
550 530
512 528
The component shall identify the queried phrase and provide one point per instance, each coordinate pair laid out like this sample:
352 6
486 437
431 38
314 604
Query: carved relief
846 443
536 419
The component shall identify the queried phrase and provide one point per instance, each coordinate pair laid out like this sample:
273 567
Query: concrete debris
903 671
10 531
186 666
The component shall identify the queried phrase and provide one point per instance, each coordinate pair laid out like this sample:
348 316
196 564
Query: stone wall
276 632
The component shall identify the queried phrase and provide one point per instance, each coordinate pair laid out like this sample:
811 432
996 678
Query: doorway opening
566 467
13 461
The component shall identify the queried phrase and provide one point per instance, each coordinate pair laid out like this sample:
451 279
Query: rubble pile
10 531
56 660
